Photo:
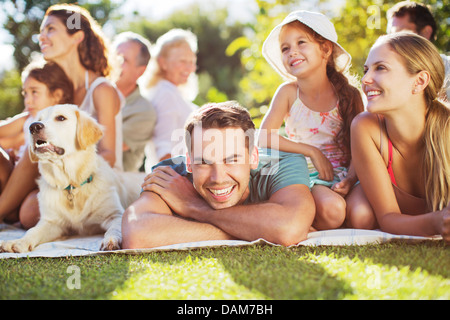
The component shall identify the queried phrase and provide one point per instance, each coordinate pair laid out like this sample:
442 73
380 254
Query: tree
10 97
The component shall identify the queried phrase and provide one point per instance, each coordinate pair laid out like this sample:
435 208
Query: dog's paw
16 246
110 243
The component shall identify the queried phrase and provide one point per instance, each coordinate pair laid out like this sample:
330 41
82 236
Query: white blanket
85 246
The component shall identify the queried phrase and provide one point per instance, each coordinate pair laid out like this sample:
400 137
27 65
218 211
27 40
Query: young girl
317 105
400 146
43 85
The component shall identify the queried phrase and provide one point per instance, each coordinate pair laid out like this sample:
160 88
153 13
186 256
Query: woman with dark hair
71 38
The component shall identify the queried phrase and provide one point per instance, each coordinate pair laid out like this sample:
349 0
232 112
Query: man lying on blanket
223 189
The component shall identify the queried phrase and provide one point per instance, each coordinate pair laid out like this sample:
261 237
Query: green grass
386 271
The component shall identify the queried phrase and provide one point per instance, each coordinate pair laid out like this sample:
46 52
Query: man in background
138 115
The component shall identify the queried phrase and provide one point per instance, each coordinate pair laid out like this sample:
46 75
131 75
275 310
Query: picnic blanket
86 246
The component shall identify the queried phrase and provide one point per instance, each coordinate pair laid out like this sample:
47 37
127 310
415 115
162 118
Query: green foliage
441 11
260 81
11 102
358 25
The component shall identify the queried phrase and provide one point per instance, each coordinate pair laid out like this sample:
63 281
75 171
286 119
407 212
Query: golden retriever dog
79 193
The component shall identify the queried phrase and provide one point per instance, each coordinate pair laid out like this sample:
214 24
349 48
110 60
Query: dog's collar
70 187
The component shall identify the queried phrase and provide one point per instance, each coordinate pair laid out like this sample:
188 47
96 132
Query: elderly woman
172 87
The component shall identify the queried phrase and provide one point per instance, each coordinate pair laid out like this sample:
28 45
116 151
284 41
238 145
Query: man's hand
177 191
348 180
344 186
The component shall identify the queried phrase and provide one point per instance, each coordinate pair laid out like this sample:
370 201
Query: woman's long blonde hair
419 54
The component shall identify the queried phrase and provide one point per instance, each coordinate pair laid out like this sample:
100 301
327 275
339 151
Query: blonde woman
173 85
400 146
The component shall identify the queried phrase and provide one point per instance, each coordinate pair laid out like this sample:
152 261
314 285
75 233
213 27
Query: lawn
386 271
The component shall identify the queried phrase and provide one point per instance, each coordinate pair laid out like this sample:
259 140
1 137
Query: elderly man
138 115
223 189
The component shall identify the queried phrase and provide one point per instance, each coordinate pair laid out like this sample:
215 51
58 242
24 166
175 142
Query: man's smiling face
220 163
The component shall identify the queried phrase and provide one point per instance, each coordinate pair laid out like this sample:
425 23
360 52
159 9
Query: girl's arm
269 136
372 173
13 125
11 131
107 104
21 182
13 142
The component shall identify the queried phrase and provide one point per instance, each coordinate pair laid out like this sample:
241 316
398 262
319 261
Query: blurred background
230 35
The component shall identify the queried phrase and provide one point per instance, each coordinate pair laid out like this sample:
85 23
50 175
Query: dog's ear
33 156
89 131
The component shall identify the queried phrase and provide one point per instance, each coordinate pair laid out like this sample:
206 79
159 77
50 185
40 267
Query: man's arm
149 223
284 219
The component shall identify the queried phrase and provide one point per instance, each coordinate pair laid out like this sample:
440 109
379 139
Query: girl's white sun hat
317 22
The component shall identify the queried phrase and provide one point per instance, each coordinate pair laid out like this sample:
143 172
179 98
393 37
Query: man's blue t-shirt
276 170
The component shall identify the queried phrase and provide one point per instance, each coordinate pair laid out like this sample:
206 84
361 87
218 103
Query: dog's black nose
35 127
